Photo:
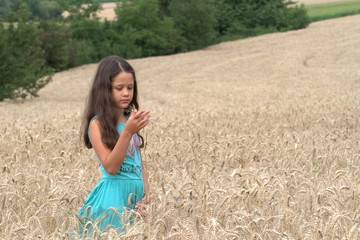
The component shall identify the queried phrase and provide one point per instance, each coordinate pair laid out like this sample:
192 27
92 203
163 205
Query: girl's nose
126 92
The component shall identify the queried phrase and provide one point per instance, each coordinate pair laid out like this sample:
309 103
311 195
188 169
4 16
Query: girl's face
123 89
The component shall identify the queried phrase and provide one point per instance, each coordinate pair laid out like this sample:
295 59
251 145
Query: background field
251 139
309 2
323 11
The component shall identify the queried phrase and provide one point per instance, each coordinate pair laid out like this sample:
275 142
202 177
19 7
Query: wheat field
250 139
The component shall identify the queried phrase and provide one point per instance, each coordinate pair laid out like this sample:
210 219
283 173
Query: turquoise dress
109 202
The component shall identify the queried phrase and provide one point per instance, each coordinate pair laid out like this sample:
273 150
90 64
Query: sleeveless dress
109 203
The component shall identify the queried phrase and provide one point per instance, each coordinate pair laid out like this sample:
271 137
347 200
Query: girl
112 128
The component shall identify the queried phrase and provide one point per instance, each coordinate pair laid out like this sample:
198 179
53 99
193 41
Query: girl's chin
122 106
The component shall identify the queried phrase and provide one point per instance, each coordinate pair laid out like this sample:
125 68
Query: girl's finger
138 114
143 120
144 114
143 123
147 117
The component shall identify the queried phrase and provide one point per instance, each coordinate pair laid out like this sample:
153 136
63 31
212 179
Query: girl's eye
119 89
130 88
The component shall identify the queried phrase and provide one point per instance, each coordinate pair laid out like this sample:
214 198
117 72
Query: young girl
112 128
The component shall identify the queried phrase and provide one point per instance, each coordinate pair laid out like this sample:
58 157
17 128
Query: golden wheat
245 142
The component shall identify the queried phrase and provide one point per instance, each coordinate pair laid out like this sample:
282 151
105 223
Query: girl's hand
141 206
146 198
137 121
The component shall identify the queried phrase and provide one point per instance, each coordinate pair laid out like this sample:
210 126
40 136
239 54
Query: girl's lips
124 101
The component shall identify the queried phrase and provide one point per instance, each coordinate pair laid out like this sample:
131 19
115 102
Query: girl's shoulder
95 120
93 127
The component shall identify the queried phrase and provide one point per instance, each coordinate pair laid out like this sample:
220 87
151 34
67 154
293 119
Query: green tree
49 9
297 17
196 20
23 14
40 9
79 52
140 21
80 9
164 6
23 70
55 38
92 32
4 9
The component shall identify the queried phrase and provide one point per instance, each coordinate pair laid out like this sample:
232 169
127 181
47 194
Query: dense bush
253 17
196 20
103 39
55 42
152 34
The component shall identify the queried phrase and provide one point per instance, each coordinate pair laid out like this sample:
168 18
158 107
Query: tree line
36 41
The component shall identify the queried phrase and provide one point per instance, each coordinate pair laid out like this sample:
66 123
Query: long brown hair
100 102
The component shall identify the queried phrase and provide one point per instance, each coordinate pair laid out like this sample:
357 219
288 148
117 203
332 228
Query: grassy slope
319 12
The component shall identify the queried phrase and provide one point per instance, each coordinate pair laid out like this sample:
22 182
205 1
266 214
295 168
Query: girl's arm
113 159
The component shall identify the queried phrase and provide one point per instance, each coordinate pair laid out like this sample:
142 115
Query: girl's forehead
123 78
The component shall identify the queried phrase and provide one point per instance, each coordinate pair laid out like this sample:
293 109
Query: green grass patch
318 12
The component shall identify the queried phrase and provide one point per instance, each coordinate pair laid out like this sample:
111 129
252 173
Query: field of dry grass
107 11
251 139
